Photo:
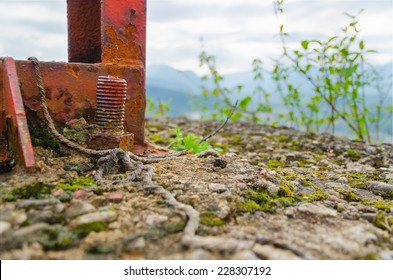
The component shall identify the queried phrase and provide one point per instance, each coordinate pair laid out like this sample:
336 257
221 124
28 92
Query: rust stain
118 49
73 69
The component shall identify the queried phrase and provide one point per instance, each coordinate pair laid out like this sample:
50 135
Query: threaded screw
111 100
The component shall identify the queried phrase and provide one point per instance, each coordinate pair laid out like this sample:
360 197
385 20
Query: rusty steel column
113 32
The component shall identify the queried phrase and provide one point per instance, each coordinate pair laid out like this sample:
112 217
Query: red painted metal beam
15 117
107 31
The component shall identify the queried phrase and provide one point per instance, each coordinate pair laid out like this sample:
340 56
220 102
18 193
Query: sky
235 31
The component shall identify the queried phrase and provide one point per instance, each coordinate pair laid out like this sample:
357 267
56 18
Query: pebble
380 186
386 255
66 197
99 202
115 197
4 226
155 219
244 255
323 163
317 210
25 231
342 180
335 185
14 217
78 208
34 203
193 198
137 244
218 162
106 216
198 254
269 252
369 216
220 209
44 216
80 194
218 188
371 150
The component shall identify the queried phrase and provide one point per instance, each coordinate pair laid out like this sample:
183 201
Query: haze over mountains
179 88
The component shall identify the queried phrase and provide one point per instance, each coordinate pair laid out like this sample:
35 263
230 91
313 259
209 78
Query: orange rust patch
117 48
73 69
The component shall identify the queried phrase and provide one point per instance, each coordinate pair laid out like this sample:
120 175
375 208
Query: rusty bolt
109 118
111 100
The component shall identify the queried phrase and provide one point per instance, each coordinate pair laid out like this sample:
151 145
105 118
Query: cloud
235 31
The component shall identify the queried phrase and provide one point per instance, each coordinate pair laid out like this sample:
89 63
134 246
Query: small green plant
338 73
191 143
157 109
251 107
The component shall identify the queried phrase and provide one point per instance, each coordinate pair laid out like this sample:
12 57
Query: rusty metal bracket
14 117
106 37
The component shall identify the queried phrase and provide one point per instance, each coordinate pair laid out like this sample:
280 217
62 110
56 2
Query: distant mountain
181 88
166 77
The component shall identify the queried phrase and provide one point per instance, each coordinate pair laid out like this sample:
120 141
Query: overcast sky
235 31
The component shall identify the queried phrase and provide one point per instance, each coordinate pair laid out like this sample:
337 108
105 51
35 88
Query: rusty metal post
113 32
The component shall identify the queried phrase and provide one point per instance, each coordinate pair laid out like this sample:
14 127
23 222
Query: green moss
353 155
175 227
308 184
305 163
57 238
316 196
286 201
249 206
42 137
235 139
286 189
294 145
207 218
79 168
357 184
84 229
348 195
74 184
274 164
370 257
358 180
282 138
291 176
383 205
157 139
35 190
384 222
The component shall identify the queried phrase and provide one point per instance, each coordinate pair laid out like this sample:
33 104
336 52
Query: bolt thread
111 101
